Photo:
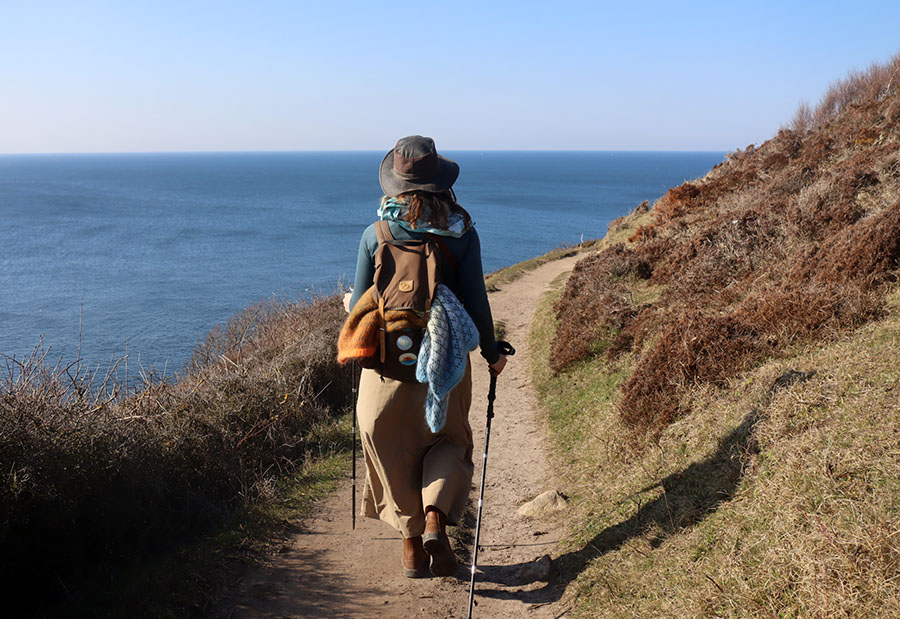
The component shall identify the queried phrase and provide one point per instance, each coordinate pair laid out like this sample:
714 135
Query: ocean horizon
347 151
146 252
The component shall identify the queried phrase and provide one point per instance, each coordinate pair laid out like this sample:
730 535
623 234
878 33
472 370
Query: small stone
550 501
538 570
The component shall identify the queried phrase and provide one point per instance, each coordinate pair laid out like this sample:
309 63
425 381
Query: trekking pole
509 351
354 382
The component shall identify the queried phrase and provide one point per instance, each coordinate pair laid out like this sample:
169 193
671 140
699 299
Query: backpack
406 276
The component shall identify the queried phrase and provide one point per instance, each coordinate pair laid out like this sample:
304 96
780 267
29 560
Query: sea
107 255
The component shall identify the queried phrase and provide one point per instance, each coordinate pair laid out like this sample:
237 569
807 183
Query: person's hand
498 365
347 298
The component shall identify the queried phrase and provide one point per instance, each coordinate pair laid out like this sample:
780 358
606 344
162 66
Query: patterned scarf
395 210
448 339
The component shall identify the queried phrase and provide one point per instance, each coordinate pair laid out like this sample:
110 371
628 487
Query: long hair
432 207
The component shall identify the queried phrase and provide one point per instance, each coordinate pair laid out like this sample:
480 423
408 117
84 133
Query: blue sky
175 76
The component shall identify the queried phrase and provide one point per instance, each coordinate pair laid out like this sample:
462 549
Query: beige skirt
409 468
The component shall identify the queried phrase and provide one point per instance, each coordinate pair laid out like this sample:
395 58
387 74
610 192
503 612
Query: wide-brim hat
414 165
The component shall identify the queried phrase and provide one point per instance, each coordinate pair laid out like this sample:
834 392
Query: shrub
878 82
717 259
95 473
868 252
792 240
596 307
695 347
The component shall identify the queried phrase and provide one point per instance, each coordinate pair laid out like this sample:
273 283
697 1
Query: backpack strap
384 237
383 234
445 251
382 331
383 231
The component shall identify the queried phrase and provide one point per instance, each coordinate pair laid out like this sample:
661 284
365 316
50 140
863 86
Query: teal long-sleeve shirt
467 283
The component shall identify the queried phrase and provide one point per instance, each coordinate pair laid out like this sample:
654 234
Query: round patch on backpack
408 358
404 342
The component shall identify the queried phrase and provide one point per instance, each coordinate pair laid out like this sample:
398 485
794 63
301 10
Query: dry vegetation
496 280
746 337
791 241
778 496
99 475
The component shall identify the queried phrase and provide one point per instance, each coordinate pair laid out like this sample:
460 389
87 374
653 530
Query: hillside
721 380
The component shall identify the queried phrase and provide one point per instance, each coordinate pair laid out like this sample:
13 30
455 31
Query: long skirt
409 468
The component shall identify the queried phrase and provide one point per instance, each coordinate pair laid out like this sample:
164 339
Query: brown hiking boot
415 561
437 544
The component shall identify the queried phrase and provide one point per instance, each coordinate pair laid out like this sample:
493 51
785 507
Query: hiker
418 480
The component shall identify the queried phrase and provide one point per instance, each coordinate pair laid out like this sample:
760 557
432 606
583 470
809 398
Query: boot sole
421 572
443 561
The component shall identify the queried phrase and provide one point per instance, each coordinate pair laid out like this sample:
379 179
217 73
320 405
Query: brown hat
414 165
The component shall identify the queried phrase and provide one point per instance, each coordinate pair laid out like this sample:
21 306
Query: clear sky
291 75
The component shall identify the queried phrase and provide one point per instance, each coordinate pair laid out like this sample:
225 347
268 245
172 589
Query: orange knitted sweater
359 335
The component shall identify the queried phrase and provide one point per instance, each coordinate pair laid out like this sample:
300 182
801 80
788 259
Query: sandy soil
330 570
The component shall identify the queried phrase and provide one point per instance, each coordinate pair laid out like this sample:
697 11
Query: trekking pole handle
505 348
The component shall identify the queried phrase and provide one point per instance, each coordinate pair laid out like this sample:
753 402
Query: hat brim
393 185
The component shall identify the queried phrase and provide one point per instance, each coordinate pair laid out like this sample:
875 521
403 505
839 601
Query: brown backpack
406 276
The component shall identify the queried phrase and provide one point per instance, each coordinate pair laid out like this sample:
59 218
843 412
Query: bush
95 473
596 308
878 82
696 347
792 240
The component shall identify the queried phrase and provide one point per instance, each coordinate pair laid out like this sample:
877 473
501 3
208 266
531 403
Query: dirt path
329 570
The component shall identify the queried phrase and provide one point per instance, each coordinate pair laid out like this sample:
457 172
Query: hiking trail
330 570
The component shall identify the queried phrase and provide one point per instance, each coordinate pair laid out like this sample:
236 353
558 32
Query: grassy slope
792 241
774 488
778 496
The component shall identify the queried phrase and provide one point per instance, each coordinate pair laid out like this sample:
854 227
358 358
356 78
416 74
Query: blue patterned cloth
395 210
448 339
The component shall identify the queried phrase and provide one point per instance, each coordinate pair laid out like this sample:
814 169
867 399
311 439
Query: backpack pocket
402 354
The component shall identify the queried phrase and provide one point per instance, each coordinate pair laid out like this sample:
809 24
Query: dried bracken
597 319
792 239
